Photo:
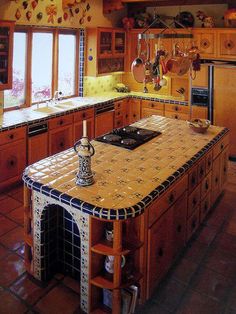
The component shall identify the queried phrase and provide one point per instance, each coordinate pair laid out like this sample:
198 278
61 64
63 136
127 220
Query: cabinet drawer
118 122
194 200
12 135
205 207
177 108
149 112
177 115
193 179
167 200
220 146
201 169
60 121
152 105
83 114
193 223
119 105
206 185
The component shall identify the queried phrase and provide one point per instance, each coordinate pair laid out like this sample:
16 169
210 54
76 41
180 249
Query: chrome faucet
57 96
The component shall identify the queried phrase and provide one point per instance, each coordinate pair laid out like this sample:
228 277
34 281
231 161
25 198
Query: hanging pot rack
162 34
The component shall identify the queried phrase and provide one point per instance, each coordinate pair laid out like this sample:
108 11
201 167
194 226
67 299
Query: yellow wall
97 85
8 10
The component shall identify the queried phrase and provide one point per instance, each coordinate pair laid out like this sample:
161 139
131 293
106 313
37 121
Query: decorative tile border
40 202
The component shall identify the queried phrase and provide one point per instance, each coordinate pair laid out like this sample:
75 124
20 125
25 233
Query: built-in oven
200 96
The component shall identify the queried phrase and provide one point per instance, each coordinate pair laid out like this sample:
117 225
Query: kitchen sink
47 109
65 105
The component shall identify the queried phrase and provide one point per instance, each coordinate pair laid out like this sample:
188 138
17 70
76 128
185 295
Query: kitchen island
154 196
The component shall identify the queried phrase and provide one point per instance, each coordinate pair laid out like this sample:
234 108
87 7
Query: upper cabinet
226 40
205 39
6 52
105 51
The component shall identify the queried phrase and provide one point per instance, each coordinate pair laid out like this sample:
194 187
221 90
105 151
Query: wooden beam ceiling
156 3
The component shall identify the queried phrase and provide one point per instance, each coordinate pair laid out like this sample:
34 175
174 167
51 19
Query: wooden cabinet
60 134
226 40
88 115
201 79
205 40
133 110
120 113
150 107
177 111
105 50
199 112
130 249
12 156
159 251
6 53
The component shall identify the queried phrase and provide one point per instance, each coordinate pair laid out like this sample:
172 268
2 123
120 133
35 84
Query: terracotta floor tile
6 225
222 262
10 304
227 242
195 303
196 251
59 300
8 204
232 298
29 291
2 196
17 215
207 281
184 270
13 239
151 308
19 188
3 252
72 283
207 235
19 196
10 268
170 294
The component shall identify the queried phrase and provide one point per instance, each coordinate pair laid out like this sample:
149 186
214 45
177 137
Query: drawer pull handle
160 252
176 117
193 180
194 224
209 162
222 146
11 136
225 169
201 172
216 180
179 228
205 206
61 144
176 108
152 105
84 115
206 186
126 115
61 122
194 201
171 198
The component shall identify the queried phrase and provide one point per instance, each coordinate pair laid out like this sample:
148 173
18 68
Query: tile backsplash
102 84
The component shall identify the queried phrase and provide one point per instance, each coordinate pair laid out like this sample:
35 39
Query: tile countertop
125 181
20 117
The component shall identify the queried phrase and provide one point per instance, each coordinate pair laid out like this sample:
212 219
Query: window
66 64
48 59
42 66
16 96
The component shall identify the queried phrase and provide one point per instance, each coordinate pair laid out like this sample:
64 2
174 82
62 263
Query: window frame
55 54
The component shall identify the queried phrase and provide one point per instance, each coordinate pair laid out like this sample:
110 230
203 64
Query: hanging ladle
137 61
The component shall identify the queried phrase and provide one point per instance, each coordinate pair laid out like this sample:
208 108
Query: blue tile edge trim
122 213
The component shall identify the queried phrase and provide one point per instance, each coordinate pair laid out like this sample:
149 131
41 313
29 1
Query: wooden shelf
102 282
101 309
105 249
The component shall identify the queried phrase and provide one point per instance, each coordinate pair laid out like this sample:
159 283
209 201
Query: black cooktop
128 137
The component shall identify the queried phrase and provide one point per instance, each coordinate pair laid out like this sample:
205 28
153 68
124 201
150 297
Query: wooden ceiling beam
156 3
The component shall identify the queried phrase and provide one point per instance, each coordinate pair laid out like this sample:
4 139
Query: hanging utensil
148 65
137 67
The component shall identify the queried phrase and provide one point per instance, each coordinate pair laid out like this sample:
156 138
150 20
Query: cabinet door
215 182
60 139
159 250
201 79
12 160
104 123
199 112
118 43
226 44
224 167
206 42
78 129
37 147
6 54
179 224
134 110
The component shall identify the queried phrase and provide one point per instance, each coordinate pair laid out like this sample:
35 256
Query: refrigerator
220 97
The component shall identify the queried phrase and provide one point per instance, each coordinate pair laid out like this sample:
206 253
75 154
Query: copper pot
178 65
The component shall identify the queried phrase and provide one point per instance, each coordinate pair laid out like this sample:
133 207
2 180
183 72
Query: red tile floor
202 281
